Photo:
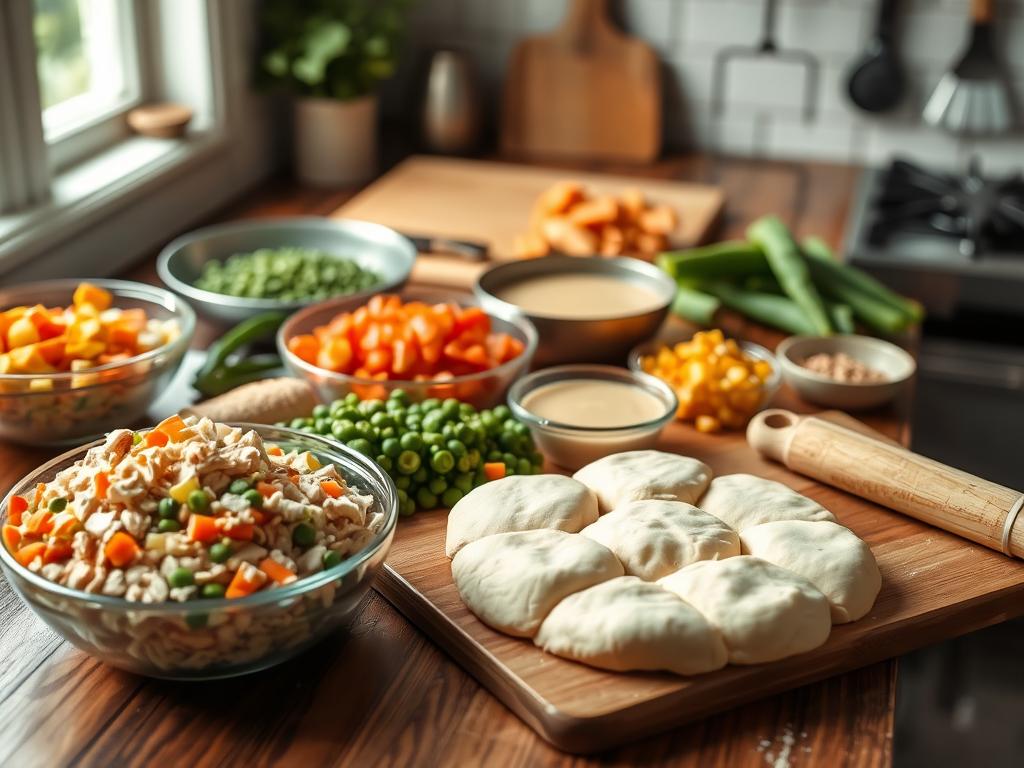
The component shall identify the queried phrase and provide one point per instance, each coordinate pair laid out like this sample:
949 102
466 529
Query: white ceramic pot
335 141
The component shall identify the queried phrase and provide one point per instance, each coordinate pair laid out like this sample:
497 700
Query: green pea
420 475
392 446
437 486
442 462
464 464
212 590
181 577
426 499
168 525
136 438
502 412
321 411
400 395
58 504
433 438
524 467
298 423
408 508
389 433
238 487
303 535
411 441
253 498
331 559
464 482
344 430
457 448
430 404
362 445
451 497
402 482
351 399
168 508
198 501
382 420
220 552
408 462
385 463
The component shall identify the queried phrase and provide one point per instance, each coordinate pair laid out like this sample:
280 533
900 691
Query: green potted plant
332 54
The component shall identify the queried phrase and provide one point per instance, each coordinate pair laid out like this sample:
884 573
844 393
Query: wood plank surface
490 202
381 693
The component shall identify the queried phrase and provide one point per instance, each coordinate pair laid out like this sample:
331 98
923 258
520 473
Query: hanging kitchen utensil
894 477
450 115
766 48
875 82
585 91
974 97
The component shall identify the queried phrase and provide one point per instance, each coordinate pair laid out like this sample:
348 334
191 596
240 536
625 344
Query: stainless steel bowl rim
156 295
297 589
564 264
590 371
512 316
172 249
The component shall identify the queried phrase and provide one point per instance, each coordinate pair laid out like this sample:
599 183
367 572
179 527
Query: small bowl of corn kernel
720 383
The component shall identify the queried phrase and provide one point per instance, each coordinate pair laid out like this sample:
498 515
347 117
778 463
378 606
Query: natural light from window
83 60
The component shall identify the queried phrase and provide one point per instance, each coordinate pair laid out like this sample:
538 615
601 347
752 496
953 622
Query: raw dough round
745 500
764 612
520 503
636 475
653 538
511 581
831 557
626 623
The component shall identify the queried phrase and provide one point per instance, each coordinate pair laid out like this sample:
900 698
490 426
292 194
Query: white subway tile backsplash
827 139
834 31
542 15
720 22
652 20
767 84
690 71
999 157
934 36
927 145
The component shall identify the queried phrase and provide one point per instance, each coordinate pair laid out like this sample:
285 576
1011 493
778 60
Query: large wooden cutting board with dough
935 585
490 202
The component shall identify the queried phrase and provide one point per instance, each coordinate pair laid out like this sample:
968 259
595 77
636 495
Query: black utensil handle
885 27
462 248
768 17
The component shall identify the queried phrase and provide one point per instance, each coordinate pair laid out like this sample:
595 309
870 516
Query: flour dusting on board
781 751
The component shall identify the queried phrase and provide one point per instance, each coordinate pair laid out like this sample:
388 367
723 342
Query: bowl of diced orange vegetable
77 358
720 383
431 344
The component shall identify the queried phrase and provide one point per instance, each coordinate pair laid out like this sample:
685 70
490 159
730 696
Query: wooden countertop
381 693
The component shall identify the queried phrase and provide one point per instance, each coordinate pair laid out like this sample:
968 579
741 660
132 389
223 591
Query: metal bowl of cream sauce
586 310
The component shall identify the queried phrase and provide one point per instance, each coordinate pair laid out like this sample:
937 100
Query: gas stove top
950 240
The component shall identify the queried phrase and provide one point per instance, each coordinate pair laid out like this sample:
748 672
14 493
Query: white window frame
98 215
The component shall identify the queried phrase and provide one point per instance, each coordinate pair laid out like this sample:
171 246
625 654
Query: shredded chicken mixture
190 510
844 368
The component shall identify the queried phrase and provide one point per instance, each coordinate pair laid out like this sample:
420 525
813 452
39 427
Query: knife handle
443 246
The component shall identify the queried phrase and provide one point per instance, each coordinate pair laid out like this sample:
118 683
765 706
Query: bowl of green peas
231 272
436 451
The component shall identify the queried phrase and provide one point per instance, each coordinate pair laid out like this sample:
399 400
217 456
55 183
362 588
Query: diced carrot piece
16 508
87 293
39 522
122 336
378 360
476 355
52 350
57 550
304 347
494 470
275 450
240 531
121 549
247 579
332 488
173 427
37 499
277 572
258 517
266 489
102 485
202 528
403 356
12 537
30 552
156 438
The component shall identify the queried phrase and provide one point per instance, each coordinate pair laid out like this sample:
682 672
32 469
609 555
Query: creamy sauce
580 296
594 403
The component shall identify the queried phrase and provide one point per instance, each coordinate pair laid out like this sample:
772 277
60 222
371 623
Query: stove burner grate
984 215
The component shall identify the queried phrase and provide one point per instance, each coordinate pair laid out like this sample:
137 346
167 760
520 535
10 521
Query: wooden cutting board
585 91
935 586
491 202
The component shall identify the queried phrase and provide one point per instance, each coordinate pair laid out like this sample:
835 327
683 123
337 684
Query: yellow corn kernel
181 491
40 385
763 370
707 424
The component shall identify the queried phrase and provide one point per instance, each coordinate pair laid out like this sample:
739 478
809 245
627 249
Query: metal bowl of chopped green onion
231 272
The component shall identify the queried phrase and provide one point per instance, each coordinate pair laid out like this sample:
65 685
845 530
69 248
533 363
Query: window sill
89 191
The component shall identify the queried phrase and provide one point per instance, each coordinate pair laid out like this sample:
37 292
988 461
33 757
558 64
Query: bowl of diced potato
720 382
78 358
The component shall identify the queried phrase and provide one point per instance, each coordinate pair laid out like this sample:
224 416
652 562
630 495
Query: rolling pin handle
771 431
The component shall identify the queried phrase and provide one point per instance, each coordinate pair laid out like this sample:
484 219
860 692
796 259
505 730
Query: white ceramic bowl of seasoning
586 310
580 413
895 364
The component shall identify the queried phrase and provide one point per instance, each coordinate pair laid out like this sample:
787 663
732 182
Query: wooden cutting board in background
584 91
491 202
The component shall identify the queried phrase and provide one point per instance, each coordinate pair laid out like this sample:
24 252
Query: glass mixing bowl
206 639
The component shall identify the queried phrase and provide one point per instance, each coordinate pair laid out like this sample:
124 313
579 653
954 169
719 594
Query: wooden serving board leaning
491 202
935 585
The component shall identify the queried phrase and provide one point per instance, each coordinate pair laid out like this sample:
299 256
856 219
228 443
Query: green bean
721 261
768 308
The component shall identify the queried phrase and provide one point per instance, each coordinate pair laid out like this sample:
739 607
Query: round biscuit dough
764 612
741 501
833 558
511 581
653 538
636 475
520 503
629 624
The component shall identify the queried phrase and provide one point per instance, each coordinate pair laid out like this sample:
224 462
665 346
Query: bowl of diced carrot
431 344
78 358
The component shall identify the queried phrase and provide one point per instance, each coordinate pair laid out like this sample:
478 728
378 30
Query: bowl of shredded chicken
197 549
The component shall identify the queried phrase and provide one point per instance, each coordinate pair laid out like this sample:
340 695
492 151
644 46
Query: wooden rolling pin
894 477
